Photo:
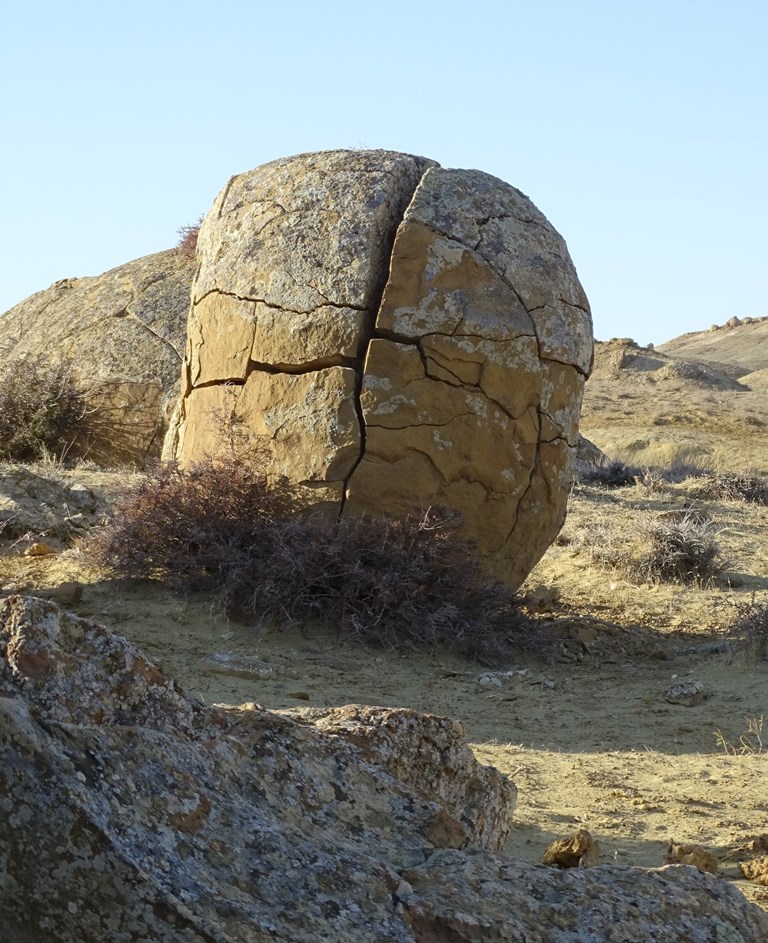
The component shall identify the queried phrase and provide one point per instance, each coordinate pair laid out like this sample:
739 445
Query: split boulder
400 335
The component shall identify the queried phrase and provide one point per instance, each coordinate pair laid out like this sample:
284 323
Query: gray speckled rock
124 333
400 335
130 812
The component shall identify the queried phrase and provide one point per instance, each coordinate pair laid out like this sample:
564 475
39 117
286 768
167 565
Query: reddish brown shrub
187 243
388 583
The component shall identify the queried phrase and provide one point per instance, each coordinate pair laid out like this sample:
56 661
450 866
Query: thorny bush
41 408
220 524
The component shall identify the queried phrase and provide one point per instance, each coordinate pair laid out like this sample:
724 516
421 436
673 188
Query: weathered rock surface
124 332
577 851
57 506
131 812
693 855
432 756
756 869
401 335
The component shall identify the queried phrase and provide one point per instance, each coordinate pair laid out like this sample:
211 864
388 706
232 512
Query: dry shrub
657 478
219 525
41 408
608 473
187 526
750 629
677 548
644 547
385 582
614 473
747 486
187 244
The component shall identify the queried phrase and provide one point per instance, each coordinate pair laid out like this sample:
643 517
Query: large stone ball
400 335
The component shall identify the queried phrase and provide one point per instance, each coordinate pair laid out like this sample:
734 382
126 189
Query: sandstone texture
132 812
578 851
124 333
401 335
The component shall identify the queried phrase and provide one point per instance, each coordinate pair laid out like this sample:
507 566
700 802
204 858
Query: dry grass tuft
676 548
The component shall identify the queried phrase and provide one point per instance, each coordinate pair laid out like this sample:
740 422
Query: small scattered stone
299 695
686 693
498 679
578 851
243 666
39 549
693 855
67 593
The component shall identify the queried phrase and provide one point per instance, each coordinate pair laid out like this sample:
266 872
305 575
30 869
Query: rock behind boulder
124 334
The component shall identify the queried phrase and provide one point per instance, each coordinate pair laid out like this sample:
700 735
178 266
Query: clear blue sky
639 128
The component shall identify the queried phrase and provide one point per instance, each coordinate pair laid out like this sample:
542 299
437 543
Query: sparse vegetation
615 473
41 408
218 525
648 547
750 629
750 742
747 486
677 548
609 473
187 244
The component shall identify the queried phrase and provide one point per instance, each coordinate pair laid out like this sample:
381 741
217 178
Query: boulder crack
129 314
368 334
298 369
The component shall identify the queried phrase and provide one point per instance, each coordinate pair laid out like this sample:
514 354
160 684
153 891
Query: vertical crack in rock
365 341
369 330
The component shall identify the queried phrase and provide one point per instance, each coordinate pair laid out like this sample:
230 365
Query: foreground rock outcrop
124 334
400 335
131 812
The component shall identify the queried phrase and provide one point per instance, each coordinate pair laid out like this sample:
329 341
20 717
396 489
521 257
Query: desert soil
580 725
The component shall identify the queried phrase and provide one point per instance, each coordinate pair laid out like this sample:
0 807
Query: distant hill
737 348
701 398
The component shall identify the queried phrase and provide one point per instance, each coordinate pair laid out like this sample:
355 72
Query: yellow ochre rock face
399 335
